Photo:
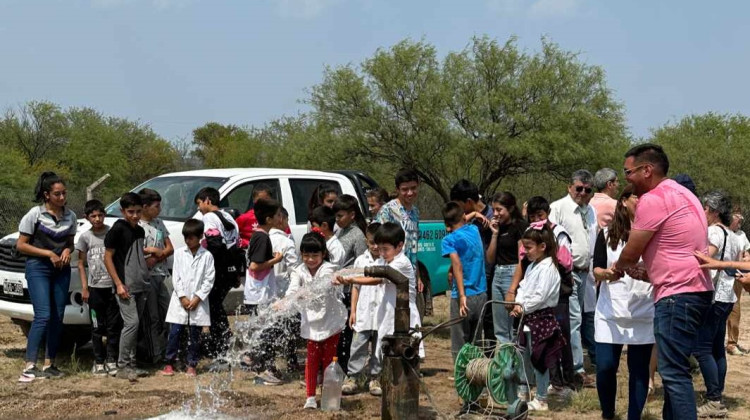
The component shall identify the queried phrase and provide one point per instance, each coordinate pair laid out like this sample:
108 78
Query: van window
302 190
240 198
177 195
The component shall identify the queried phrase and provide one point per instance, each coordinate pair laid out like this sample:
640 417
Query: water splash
250 338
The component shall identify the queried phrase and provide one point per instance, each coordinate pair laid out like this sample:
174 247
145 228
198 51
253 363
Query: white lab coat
370 297
192 275
281 242
323 316
540 287
336 252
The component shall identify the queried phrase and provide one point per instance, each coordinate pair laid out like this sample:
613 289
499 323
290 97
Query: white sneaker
111 368
99 370
310 403
538 405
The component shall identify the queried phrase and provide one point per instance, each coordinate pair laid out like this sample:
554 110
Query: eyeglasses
581 188
630 171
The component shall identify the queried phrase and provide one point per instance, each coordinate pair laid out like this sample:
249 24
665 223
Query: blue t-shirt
467 243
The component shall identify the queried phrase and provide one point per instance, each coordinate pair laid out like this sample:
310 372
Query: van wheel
424 299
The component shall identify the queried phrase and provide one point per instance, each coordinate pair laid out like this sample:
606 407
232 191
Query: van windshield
177 195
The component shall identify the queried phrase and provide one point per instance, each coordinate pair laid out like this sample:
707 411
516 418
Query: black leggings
105 322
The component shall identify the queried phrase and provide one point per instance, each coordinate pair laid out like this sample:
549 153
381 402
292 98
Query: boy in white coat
364 322
192 277
390 241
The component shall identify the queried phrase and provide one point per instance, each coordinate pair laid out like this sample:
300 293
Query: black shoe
53 372
31 374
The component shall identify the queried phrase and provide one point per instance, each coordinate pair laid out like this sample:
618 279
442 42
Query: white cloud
303 9
535 8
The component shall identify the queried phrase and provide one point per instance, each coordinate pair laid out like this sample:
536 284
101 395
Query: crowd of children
544 272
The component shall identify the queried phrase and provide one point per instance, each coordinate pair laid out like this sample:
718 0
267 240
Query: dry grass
81 395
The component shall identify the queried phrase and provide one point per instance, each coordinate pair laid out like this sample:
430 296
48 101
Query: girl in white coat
192 277
323 316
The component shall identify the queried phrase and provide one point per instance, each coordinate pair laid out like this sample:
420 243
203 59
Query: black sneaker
53 372
31 374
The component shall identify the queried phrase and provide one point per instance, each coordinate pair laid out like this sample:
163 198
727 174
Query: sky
177 64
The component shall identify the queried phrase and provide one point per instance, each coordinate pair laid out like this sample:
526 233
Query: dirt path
81 395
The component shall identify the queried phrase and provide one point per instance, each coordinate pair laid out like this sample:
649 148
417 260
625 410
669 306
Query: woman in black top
46 238
507 228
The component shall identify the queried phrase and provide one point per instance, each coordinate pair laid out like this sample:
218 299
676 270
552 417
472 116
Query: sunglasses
581 188
628 172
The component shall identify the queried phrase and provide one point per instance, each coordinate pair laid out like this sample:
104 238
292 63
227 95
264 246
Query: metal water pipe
399 376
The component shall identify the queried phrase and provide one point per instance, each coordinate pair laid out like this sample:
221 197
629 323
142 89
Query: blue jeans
48 289
587 335
194 344
709 349
677 320
638 376
500 316
576 319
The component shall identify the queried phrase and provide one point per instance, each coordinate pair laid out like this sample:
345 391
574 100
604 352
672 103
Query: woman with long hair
46 238
507 227
624 315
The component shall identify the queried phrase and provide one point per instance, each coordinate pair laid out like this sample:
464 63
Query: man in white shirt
733 323
578 218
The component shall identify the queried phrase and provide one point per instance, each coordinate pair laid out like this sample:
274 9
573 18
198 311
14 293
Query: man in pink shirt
669 226
605 199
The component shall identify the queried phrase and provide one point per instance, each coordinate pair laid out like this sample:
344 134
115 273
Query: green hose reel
474 372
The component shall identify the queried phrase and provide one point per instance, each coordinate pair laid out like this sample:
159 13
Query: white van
291 187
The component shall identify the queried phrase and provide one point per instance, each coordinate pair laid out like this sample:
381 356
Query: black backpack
229 263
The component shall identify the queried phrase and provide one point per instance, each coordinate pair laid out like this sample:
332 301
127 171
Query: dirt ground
83 396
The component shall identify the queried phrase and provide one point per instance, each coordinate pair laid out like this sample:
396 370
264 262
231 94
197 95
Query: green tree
226 146
486 113
39 130
711 148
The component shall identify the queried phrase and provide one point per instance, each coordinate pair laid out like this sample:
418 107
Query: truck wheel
74 338
424 299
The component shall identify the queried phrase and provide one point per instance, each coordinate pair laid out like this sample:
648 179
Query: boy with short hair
324 219
126 264
260 286
283 244
97 291
363 320
463 246
158 249
220 228
390 241
193 278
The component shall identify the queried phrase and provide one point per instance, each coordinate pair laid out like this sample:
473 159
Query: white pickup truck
291 187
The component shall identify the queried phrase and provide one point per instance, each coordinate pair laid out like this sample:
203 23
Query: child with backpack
538 293
222 240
